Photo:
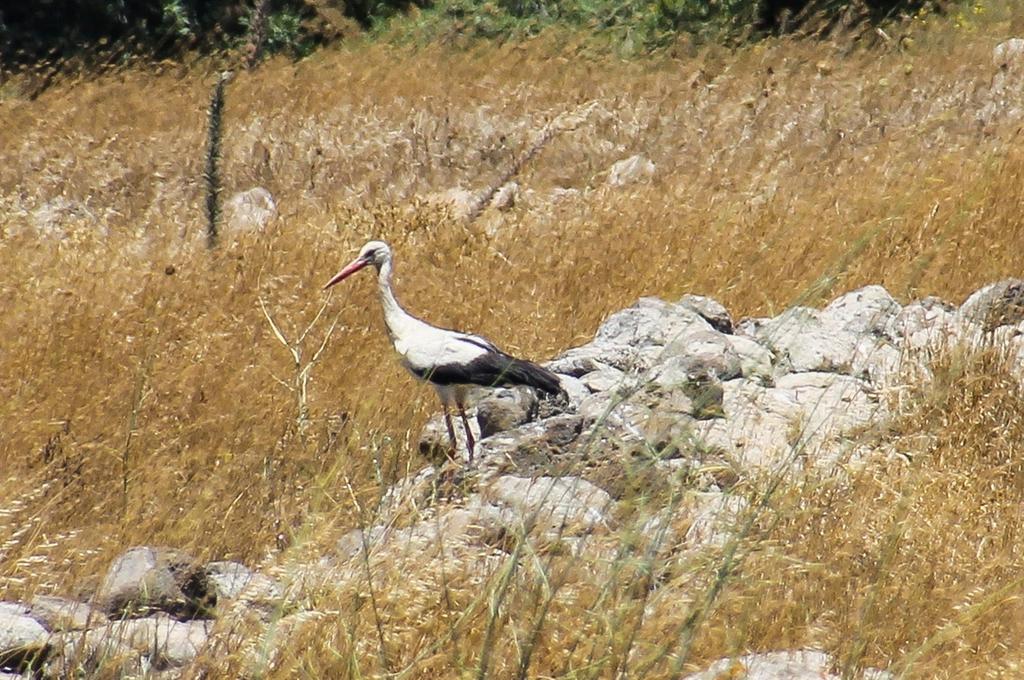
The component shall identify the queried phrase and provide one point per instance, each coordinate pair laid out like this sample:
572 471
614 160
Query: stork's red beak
348 271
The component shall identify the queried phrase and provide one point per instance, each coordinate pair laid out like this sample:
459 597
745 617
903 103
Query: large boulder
59 614
145 579
23 640
995 305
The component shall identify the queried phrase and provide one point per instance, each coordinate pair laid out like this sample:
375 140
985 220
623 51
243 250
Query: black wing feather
494 369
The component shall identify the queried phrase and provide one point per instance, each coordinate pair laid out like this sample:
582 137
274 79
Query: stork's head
374 252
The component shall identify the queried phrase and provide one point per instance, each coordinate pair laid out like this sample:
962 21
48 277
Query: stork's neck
396 318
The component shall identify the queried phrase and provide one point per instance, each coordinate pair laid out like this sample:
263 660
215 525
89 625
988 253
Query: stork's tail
523 372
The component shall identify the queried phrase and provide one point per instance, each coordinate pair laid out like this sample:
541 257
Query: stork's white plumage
451 361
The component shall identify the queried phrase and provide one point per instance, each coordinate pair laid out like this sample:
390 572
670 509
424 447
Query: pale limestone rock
630 171
700 353
233 580
995 305
250 210
553 505
59 614
711 310
505 409
1009 54
21 636
506 196
146 579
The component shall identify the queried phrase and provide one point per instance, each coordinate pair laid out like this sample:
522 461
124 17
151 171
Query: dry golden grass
140 400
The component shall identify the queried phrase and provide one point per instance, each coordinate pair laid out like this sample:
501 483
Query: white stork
451 361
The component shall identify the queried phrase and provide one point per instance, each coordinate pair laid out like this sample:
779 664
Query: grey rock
866 310
688 385
477 522
603 380
506 196
163 641
249 210
630 170
803 418
23 640
748 326
559 194
84 653
60 614
596 356
995 305
787 665
265 652
1009 54
531 444
930 322
649 322
704 353
799 337
356 541
574 389
756 360
145 579
577 362
714 516
434 442
554 506
234 580
703 519
410 493
669 433
505 409
805 340
711 310
611 419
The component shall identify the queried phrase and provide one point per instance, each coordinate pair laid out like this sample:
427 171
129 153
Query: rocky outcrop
676 398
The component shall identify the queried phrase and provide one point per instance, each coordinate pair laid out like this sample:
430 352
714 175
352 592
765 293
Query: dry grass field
144 398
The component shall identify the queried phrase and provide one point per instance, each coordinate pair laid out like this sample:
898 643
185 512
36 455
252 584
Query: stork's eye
370 254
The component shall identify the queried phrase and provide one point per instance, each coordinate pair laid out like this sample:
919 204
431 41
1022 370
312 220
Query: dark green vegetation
104 31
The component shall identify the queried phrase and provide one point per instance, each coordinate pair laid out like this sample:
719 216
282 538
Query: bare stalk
299 383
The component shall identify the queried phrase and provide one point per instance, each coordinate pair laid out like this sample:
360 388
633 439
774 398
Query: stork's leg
470 442
451 432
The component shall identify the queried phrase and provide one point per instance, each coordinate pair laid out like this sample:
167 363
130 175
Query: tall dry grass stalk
211 173
786 171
